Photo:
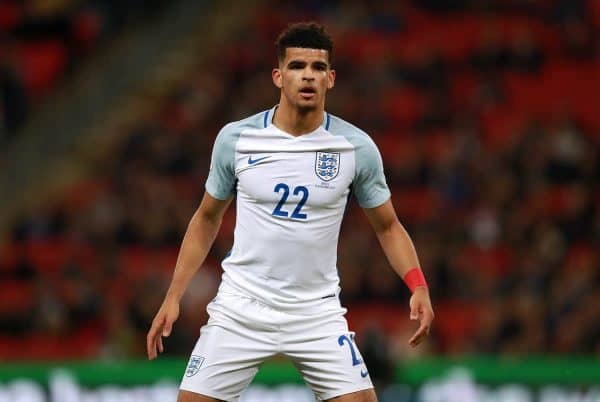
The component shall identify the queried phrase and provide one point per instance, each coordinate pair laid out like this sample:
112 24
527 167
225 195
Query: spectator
13 99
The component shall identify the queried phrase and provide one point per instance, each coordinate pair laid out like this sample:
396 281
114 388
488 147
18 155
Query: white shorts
243 332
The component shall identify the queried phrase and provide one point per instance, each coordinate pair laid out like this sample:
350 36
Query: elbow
201 219
388 227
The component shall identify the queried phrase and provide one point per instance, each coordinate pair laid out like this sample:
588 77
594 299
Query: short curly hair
310 35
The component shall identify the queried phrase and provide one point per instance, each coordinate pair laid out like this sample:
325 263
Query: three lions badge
194 365
327 165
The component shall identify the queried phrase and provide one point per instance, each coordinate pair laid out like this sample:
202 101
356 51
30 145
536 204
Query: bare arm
401 254
198 239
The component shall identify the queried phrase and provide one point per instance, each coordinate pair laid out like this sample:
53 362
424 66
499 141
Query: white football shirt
291 196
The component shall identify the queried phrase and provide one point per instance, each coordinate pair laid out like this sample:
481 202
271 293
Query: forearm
398 248
198 239
400 252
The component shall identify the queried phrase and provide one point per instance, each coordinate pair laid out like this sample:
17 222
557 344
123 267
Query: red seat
416 205
437 145
595 11
139 261
48 255
16 297
554 200
576 88
455 322
41 62
380 315
403 106
462 87
10 254
396 149
570 87
83 192
547 36
363 46
87 26
502 125
581 255
453 38
12 348
494 261
133 260
524 93
10 15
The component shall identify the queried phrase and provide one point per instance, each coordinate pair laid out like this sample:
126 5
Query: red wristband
414 278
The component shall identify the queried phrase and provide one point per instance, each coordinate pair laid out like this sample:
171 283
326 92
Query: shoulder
357 137
230 133
234 128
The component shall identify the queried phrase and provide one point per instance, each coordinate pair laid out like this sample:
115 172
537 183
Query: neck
297 122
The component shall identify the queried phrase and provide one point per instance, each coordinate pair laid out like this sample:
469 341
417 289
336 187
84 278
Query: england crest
327 165
194 365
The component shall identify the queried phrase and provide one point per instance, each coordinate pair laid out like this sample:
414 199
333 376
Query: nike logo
253 161
364 373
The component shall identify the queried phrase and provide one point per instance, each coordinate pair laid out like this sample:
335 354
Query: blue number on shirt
304 191
344 338
286 192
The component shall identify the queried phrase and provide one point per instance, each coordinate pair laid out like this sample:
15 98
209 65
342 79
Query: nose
308 74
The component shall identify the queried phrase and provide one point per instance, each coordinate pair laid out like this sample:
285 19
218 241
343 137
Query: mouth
307 92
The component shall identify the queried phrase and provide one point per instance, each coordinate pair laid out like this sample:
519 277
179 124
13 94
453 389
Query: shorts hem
210 394
335 394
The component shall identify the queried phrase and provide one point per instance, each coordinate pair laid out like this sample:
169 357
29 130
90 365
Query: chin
307 105
306 108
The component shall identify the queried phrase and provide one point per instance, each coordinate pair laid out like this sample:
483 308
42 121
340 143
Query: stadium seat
140 261
403 106
10 15
416 205
379 315
48 255
503 125
411 157
10 253
83 192
42 62
455 320
17 298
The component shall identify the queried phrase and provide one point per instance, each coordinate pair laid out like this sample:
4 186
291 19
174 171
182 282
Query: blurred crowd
43 42
486 115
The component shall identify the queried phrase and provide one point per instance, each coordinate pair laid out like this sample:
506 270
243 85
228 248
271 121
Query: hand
420 309
161 326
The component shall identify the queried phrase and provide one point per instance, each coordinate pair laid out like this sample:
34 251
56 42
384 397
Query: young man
292 168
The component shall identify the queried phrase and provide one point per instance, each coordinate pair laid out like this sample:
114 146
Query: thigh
187 396
367 395
227 355
326 355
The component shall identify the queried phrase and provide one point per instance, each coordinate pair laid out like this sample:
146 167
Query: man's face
304 76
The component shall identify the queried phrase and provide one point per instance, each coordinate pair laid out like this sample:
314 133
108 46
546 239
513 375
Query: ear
331 79
277 79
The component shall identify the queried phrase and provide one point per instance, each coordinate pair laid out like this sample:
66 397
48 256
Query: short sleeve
221 177
369 185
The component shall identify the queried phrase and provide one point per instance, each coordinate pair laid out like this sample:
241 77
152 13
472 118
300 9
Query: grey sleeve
369 186
221 177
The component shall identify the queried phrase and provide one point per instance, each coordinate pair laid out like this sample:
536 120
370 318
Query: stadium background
486 112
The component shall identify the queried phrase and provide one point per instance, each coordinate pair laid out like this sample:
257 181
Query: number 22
296 214
355 361
344 338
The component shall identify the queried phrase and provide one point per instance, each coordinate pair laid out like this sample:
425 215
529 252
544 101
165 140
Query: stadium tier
486 118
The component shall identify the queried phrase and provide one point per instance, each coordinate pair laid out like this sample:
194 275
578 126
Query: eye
295 66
